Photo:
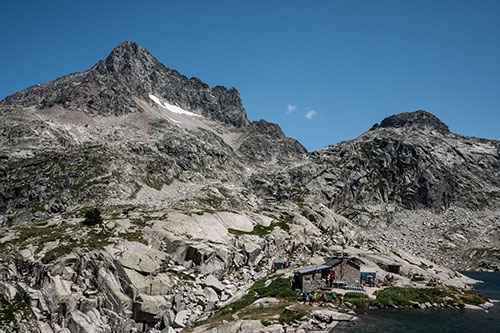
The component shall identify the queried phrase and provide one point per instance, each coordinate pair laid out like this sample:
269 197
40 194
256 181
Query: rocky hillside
408 182
197 201
127 126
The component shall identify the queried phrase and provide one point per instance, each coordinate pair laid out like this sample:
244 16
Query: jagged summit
112 86
129 48
127 54
418 119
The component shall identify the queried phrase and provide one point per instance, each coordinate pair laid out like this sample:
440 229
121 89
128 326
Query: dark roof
311 269
333 262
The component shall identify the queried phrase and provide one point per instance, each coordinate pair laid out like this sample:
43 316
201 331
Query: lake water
435 320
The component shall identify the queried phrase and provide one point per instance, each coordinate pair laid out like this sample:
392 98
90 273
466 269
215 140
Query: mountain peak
419 119
128 50
128 56
132 46
130 72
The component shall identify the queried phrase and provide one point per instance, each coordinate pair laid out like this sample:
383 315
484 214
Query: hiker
311 298
341 300
304 297
334 296
325 299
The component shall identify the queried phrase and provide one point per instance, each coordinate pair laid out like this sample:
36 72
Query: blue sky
325 71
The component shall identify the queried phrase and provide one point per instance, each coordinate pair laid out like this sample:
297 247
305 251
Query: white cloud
311 114
290 108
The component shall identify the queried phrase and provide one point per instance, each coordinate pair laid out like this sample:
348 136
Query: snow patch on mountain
171 107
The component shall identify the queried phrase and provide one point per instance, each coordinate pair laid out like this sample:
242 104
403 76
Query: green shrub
360 303
353 294
279 288
92 217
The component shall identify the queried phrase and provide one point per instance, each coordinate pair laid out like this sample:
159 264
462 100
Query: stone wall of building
311 281
347 273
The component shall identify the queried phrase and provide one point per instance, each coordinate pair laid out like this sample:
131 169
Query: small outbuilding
394 268
368 274
280 264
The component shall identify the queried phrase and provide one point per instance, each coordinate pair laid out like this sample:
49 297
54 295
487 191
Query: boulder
210 295
168 330
229 327
275 328
266 301
328 315
150 308
323 315
168 318
251 248
212 282
179 302
472 307
141 258
486 305
180 318
10 292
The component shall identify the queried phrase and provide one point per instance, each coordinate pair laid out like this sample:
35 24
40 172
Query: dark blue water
435 320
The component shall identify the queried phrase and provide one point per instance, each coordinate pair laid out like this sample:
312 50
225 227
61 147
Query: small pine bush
93 217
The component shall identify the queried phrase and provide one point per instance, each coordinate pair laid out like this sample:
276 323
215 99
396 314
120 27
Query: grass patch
93 241
360 300
397 296
133 237
211 201
383 266
288 317
279 288
467 296
57 252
